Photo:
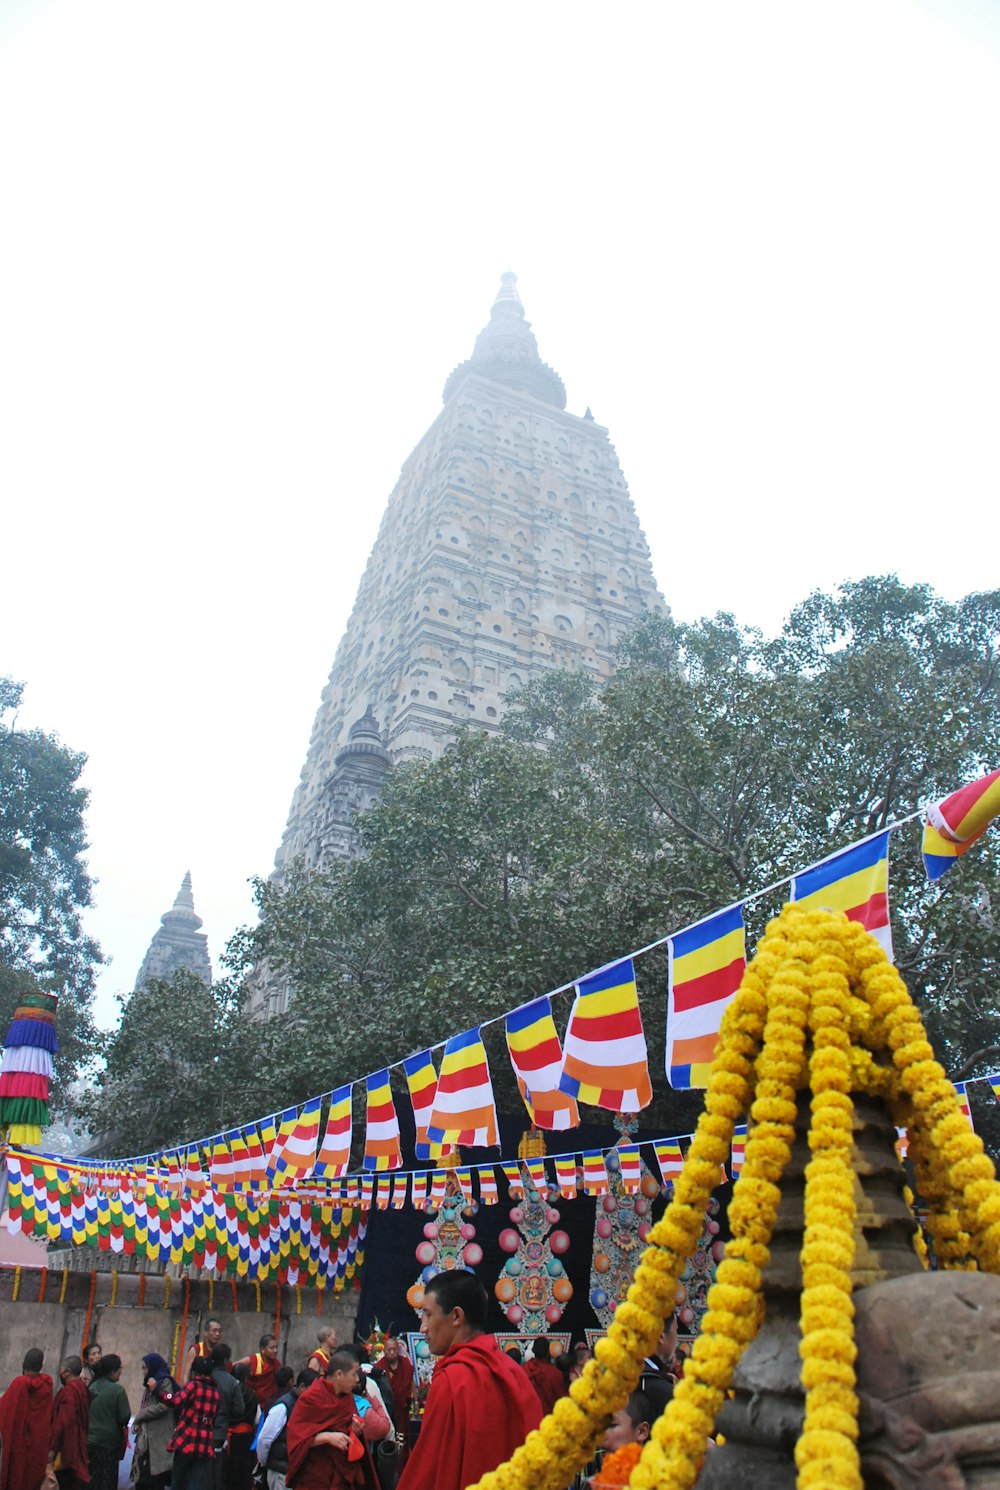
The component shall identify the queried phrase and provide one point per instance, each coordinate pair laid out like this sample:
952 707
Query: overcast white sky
244 244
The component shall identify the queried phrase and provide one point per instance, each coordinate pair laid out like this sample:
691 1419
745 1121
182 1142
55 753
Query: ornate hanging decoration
449 1235
532 1287
622 1226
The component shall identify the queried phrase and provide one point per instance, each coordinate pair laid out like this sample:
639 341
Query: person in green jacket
109 1415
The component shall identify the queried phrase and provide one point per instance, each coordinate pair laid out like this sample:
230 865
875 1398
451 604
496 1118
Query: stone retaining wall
132 1315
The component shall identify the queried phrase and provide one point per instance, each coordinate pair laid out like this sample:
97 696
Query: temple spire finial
185 895
507 293
506 352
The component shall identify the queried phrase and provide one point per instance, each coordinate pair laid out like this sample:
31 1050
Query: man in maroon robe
547 1380
326 1449
25 1423
399 1370
481 1405
70 1419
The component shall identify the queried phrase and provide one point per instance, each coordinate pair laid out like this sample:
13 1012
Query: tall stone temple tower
510 545
179 942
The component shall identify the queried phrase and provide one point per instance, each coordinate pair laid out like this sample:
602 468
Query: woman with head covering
109 1415
154 1425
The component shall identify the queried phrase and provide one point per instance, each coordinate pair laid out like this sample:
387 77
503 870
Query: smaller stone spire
179 942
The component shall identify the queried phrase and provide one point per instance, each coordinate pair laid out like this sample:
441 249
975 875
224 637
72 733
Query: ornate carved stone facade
179 943
510 545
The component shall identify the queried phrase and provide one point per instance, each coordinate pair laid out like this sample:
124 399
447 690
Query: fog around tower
246 247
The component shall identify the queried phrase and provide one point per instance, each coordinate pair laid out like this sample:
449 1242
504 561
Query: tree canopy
714 763
180 1061
44 882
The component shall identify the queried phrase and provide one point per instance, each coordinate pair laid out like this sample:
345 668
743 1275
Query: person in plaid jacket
196 1405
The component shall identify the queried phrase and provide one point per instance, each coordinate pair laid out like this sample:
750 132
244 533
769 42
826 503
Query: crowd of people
339 1423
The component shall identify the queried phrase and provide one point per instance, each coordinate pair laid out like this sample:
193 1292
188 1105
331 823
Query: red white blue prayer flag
604 1054
706 963
954 824
855 881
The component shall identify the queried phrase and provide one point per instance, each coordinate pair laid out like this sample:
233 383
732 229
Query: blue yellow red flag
335 1150
706 963
382 1150
538 1176
464 1109
294 1156
537 1059
855 881
628 1166
595 1176
488 1193
421 1082
963 1102
604 1054
955 823
669 1158
739 1149
566 1177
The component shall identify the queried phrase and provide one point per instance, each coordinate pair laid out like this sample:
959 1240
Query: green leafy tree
712 765
180 1066
44 882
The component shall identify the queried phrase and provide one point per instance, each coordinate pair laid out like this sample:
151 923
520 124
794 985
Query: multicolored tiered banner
261 1237
26 1068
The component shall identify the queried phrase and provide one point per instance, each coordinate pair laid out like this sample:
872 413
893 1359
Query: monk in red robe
25 1424
326 1449
263 1368
399 1370
547 1380
70 1420
481 1406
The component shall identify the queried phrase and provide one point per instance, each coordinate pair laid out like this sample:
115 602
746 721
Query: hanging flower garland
826 1452
819 975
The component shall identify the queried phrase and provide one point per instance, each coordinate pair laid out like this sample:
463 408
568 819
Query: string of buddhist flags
602 1060
306 1236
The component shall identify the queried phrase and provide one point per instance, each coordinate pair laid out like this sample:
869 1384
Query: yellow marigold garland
815 969
826 1452
676 1447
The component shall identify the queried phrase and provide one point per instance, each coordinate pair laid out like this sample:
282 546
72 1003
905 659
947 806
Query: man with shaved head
25 1425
